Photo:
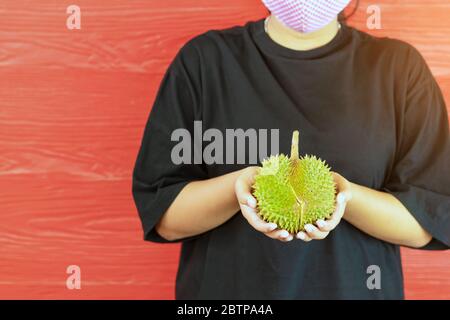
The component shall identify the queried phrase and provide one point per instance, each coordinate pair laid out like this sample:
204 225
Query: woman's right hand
243 190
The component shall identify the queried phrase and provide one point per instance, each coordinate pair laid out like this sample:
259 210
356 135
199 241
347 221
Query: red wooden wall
73 104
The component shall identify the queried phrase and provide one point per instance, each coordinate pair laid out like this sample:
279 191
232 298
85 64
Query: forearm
383 216
199 207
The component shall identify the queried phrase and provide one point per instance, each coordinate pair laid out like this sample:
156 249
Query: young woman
368 106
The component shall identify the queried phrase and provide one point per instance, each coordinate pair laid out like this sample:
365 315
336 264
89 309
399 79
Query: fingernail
289 238
251 201
272 226
340 198
284 234
309 228
321 223
301 235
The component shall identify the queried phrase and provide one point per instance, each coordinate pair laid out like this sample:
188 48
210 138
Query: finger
279 234
255 220
251 177
303 236
289 238
345 194
338 212
324 226
251 201
315 233
244 194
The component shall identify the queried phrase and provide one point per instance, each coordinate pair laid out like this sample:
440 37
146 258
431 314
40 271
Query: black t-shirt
369 106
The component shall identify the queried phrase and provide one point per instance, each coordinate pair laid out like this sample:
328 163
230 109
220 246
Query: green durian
293 192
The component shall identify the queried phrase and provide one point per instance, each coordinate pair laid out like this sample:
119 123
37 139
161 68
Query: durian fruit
293 192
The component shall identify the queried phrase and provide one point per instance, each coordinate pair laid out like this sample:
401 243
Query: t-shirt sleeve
157 177
420 178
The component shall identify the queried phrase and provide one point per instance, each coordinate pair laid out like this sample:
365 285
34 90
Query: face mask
305 15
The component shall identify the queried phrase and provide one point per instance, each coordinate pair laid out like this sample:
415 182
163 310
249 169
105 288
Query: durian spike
294 146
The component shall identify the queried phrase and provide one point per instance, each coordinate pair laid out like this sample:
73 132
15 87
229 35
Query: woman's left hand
322 228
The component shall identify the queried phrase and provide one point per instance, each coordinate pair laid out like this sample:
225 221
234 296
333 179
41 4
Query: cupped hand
317 231
243 190
322 228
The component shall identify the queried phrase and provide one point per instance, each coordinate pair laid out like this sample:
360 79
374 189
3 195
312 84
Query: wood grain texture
73 104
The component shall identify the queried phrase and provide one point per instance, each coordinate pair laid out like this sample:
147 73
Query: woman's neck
295 40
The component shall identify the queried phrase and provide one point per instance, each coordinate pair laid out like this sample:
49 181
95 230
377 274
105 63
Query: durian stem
294 146
294 159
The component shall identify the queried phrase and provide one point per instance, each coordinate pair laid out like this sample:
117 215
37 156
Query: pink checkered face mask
305 15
